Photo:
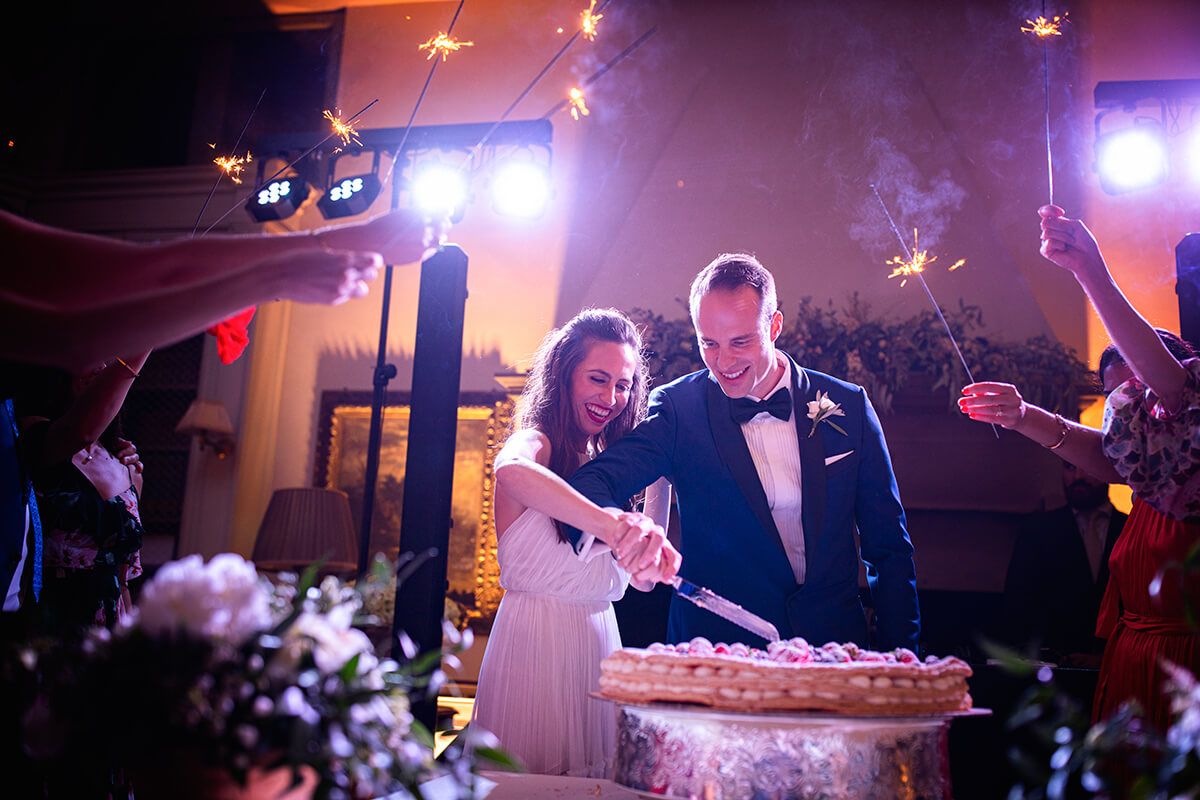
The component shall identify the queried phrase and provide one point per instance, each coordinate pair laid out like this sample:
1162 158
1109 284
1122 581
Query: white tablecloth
510 786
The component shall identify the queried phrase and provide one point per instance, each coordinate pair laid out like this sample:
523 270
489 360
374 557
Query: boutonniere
821 409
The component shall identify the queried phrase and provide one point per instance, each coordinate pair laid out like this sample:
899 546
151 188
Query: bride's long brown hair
546 403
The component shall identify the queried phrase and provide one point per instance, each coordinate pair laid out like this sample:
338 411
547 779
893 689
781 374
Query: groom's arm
887 551
631 463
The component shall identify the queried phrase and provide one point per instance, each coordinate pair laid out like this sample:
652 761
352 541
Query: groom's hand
642 549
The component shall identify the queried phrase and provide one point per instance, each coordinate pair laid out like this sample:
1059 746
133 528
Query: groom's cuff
574 536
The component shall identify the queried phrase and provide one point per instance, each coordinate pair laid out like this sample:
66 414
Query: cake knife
710 601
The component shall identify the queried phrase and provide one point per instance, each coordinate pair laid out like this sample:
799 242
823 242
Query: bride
556 623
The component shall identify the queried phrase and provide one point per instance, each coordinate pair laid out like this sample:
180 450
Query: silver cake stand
688 751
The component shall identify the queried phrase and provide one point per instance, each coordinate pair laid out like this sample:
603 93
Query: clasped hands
641 547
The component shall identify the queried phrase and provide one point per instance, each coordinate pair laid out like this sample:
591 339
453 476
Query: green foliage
883 356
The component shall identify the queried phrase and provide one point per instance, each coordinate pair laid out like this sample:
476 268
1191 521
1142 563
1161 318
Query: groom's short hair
729 272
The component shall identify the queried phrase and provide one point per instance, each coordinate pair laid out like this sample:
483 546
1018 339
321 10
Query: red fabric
1141 630
232 335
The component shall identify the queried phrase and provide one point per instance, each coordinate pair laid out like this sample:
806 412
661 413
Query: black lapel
731 447
812 463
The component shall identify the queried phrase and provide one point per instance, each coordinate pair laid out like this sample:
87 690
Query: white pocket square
837 458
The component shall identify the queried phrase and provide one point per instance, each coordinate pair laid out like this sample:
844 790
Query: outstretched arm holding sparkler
62 283
1002 404
1070 245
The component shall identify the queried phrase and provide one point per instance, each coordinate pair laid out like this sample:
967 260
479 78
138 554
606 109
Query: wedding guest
1151 421
88 482
587 389
73 299
1058 573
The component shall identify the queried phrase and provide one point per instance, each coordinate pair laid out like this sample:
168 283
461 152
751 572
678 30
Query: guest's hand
401 237
128 455
329 277
1069 244
993 402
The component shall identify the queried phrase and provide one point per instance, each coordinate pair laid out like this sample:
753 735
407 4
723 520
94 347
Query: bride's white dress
554 626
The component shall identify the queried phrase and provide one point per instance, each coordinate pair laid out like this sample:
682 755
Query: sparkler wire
527 90
417 105
217 182
928 293
1046 88
286 167
598 73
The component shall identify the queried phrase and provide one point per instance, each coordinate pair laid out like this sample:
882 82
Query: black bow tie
778 405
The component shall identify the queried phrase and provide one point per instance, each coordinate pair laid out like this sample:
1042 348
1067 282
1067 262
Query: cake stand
688 751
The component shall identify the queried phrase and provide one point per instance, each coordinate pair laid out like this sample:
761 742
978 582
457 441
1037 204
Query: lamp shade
205 417
304 525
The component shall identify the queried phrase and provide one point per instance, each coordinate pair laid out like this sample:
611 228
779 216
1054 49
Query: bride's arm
522 478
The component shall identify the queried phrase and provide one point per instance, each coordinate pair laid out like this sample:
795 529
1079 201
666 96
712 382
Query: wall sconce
208 420
303 526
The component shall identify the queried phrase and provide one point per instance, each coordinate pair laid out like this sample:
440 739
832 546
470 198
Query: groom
775 467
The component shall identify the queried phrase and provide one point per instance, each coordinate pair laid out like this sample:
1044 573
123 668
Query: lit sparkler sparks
589 22
444 44
233 165
1045 28
916 263
343 130
578 106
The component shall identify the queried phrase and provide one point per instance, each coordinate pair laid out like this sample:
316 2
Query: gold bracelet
132 371
1066 429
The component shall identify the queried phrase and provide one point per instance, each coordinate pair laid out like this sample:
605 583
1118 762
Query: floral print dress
1157 451
91 546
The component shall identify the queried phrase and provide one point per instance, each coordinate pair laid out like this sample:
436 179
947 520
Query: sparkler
578 106
914 264
596 75
288 166
1044 27
442 43
232 165
589 21
416 106
343 130
227 170
479 146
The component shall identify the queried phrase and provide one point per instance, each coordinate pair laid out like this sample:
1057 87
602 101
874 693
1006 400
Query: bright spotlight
1131 158
278 199
520 189
439 189
349 196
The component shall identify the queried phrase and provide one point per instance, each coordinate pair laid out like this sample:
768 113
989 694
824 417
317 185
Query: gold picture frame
472 570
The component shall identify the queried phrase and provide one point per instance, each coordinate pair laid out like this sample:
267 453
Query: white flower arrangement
243 675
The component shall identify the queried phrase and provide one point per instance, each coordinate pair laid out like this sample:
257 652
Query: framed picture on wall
472 572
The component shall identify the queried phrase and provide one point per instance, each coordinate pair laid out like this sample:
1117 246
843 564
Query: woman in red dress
1150 439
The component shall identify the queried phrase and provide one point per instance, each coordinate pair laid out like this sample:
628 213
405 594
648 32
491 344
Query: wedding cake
788 676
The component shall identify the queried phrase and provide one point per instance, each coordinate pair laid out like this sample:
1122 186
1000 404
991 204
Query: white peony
333 641
223 599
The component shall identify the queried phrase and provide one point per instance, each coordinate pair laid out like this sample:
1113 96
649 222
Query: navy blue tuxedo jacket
729 541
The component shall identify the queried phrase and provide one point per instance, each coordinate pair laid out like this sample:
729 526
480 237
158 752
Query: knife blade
713 602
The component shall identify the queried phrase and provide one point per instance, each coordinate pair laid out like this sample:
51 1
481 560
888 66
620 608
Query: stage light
520 188
279 199
1132 158
440 189
350 196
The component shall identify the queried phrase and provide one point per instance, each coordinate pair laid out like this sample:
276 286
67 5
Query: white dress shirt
775 449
